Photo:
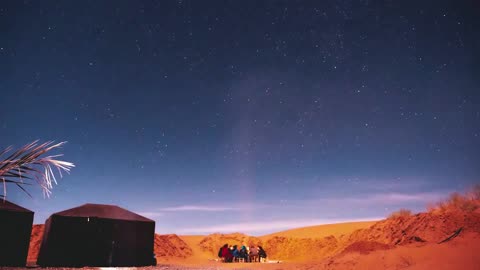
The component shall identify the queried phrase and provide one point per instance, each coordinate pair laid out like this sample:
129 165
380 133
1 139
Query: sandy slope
321 231
35 242
170 247
198 254
290 245
404 242
460 253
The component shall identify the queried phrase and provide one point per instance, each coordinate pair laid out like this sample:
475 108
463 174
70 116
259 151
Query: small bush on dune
468 202
458 201
474 192
400 213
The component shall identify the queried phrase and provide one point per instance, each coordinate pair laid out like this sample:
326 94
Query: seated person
226 254
262 254
253 254
243 253
235 253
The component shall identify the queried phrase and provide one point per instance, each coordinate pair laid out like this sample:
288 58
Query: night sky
251 116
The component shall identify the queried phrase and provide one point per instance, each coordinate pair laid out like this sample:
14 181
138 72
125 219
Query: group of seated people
244 254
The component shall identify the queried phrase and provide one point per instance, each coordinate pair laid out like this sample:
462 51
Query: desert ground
446 238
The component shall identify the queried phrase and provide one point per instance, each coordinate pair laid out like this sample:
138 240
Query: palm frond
27 166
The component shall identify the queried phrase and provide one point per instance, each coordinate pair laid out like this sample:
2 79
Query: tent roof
8 206
102 211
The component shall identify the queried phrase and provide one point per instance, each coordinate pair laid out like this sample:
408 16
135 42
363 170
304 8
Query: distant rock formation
170 246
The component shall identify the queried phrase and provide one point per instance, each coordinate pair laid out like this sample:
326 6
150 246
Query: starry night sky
249 116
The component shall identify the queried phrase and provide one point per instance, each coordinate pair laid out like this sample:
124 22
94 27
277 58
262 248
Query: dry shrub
467 202
474 192
401 213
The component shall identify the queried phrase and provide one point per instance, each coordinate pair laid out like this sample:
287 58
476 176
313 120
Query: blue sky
245 116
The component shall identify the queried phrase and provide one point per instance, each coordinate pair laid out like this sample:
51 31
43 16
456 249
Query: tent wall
15 229
82 241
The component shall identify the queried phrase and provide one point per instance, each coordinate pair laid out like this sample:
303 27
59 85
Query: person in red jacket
226 254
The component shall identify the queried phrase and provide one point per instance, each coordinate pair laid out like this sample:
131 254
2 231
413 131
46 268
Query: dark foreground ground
213 266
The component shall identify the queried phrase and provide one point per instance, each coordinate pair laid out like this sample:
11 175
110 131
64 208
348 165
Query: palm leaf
27 165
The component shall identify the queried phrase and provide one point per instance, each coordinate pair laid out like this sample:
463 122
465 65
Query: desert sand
320 231
398 242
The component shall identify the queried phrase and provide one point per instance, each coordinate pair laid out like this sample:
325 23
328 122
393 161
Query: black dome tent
97 235
15 228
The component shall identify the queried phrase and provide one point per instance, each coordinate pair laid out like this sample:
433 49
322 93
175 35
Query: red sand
409 242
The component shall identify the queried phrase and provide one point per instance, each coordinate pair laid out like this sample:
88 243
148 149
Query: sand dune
35 242
460 253
321 231
410 242
171 247
427 227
